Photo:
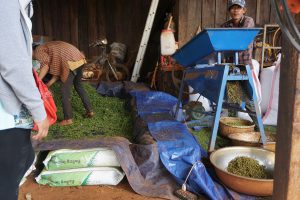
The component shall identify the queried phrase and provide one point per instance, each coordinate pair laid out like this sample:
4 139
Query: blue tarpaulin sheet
151 102
179 150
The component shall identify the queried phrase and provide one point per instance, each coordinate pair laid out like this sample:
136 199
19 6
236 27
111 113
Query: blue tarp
150 102
179 150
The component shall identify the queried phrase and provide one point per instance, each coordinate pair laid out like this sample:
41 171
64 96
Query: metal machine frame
210 42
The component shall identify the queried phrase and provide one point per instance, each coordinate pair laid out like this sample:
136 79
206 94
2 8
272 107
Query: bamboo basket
249 138
226 126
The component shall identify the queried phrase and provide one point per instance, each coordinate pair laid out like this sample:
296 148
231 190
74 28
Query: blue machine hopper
213 40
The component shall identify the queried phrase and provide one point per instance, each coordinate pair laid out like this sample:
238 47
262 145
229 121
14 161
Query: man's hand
43 128
43 71
52 80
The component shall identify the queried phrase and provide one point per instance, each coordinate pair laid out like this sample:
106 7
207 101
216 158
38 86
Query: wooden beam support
287 164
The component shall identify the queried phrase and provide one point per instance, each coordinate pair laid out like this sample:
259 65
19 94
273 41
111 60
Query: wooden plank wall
82 21
212 13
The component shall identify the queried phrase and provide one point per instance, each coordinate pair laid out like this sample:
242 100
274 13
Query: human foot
65 122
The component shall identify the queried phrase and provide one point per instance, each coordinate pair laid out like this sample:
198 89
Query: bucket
118 50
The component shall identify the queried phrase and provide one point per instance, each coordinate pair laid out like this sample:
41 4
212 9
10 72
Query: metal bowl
249 139
251 186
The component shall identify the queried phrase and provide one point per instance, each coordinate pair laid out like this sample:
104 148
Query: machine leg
257 111
180 96
213 136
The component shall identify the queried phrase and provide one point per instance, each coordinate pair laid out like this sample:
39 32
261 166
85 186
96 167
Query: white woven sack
73 159
258 89
271 113
83 176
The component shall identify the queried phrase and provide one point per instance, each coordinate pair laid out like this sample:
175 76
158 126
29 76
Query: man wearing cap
237 10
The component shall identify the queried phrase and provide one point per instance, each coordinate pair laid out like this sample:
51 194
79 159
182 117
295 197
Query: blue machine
210 79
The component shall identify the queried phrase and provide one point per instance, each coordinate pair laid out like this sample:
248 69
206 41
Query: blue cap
241 3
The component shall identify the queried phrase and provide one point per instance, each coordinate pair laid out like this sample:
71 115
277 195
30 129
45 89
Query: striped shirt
55 55
245 57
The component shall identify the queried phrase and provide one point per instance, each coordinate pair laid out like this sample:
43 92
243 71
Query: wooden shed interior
80 22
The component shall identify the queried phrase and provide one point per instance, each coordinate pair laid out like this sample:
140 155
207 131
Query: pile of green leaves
203 137
247 167
111 117
235 92
271 129
238 123
204 134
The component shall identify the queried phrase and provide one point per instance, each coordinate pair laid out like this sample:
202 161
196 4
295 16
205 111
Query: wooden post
257 17
287 164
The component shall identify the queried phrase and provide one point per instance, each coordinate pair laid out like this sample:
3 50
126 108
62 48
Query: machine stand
228 77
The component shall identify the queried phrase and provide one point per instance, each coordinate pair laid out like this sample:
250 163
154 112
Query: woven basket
249 138
227 126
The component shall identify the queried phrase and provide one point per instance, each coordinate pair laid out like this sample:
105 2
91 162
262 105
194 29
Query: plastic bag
48 100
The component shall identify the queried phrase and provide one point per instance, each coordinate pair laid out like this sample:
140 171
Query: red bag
47 98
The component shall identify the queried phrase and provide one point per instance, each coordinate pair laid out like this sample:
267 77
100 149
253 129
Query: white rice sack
270 117
258 90
257 84
31 168
266 79
83 176
270 85
256 67
73 159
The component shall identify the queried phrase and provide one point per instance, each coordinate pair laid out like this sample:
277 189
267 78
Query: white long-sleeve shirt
17 85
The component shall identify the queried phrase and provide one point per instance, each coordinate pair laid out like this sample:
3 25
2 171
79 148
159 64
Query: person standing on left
20 101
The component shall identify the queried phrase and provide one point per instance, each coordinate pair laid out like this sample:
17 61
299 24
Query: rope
184 183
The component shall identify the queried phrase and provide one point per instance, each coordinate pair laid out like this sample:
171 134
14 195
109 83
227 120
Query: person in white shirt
20 100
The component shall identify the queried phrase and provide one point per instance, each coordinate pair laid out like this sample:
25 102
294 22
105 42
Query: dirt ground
40 192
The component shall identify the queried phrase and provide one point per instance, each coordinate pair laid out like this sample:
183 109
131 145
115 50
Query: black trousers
66 90
16 156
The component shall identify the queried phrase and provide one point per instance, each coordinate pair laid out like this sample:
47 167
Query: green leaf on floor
111 117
